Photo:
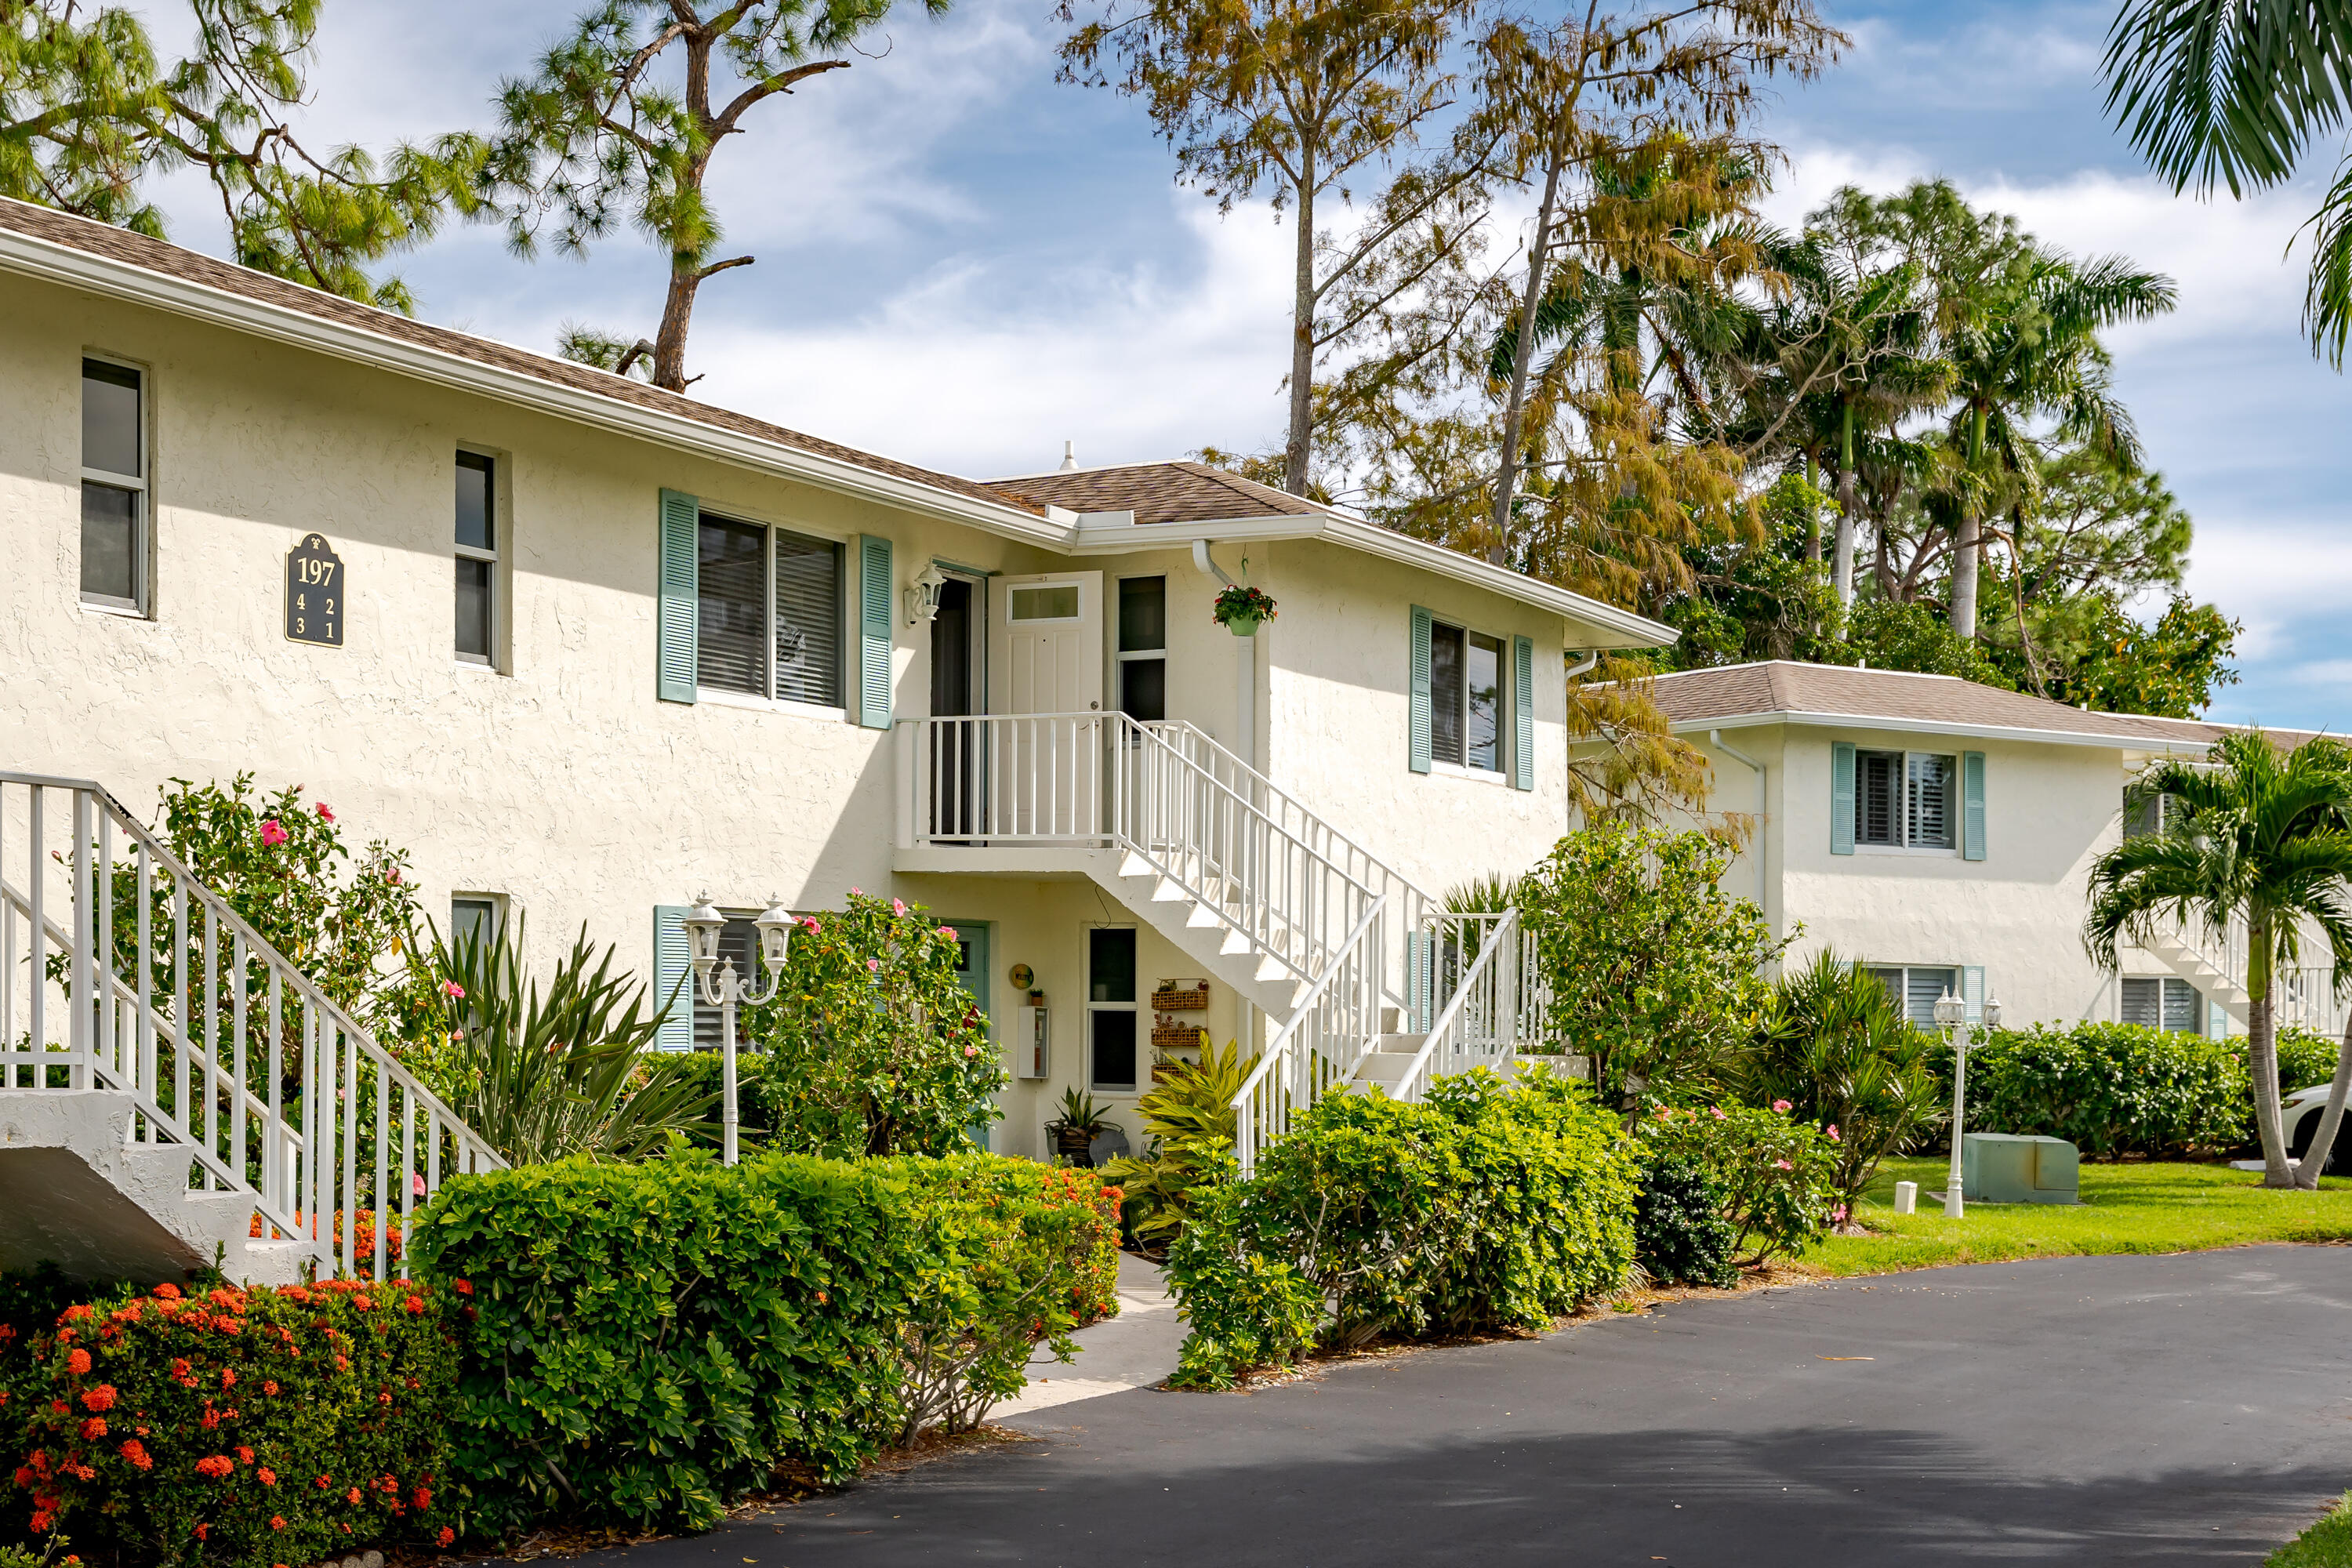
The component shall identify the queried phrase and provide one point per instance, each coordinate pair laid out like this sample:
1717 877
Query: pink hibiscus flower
271 833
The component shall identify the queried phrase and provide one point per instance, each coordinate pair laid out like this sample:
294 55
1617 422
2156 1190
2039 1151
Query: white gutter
1938 727
1715 738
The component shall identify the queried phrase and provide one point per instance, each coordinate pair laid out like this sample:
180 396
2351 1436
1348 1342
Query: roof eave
1936 726
33 256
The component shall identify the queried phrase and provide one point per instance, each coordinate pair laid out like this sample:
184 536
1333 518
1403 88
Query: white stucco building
589 649
1942 833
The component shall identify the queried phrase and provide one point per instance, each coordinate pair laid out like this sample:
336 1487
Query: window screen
1484 703
1445 683
808 619
471 915
731 651
113 484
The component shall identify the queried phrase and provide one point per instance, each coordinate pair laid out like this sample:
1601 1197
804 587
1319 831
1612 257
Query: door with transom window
1046 679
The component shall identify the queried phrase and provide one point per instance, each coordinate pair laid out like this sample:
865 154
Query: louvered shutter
1418 727
1972 805
1523 714
675 609
874 632
672 964
1840 798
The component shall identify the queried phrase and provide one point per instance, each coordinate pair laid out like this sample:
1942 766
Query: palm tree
2233 91
2253 835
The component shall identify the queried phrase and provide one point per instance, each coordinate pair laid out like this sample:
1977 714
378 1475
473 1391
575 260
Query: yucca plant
543 1073
1189 1116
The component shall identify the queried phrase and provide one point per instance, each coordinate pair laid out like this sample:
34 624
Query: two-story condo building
589 649
1942 833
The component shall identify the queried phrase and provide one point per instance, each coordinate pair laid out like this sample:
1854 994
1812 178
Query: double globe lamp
722 988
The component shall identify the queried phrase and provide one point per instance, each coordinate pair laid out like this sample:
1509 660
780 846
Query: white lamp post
1952 1014
724 989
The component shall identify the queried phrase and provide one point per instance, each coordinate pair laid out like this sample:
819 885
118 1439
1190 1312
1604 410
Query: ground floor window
2165 1003
1916 987
472 914
1111 1032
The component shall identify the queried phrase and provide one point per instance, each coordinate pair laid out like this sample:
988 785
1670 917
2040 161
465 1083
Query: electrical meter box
1031 1055
2005 1168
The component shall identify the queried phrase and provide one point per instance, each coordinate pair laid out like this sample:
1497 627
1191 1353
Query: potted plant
1240 609
1082 1121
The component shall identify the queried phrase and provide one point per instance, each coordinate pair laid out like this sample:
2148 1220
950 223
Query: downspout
1245 665
1583 667
1715 738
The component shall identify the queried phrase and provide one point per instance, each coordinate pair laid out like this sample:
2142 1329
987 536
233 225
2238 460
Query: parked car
2299 1113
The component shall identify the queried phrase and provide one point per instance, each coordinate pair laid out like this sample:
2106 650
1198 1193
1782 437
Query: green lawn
2327 1545
2125 1208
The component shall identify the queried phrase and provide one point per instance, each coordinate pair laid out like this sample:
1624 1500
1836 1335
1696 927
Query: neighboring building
590 649
1942 833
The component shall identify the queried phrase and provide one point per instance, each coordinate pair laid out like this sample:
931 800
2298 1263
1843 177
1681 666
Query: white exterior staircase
2215 963
172 1090
1364 980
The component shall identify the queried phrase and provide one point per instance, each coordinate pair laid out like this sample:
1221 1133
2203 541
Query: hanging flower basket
1239 609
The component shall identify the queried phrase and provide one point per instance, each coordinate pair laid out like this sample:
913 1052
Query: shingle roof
156 256
1693 697
1157 492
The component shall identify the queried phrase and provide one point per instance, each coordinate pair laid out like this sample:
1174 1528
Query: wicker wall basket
1175 1037
1170 1000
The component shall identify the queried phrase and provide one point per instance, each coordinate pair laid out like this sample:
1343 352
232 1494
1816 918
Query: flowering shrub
1680 1237
871 1045
1778 1175
251 1428
1493 1204
655 1340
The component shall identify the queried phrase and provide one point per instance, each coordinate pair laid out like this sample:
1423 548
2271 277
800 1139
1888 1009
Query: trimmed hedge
1493 1204
2112 1089
1680 1237
652 1340
249 1427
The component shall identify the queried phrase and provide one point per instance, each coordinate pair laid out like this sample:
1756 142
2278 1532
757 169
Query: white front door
1047 659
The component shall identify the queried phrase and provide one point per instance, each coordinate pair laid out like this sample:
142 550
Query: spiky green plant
1188 1115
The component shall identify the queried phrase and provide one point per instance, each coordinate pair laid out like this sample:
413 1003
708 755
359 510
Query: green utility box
2009 1168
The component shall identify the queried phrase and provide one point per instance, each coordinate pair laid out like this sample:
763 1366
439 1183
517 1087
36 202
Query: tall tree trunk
1964 576
1299 448
1813 514
1842 571
2323 1142
677 315
2261 1054
1515 402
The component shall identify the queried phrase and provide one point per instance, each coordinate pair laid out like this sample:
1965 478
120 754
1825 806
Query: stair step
1385 1067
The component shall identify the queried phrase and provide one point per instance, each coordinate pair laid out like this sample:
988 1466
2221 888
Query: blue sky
962 263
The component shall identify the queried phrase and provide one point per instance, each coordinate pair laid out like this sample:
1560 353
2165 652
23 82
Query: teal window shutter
672 967
1419 955
1523 714
1420 725
1840 798
874 632
1972 992
1972 812
676 613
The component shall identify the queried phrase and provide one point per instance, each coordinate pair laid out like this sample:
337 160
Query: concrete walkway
1134 1350
2186 1410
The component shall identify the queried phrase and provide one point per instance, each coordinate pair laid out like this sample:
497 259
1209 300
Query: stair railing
132 976
1477 964
1321 1044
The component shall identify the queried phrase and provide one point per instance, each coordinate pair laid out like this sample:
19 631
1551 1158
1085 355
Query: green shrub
1680 1237
1492 1205
2110 1089
871 1045
1189 1117
2306 1058
1778 1175
1845 1057
248 1427
655 1340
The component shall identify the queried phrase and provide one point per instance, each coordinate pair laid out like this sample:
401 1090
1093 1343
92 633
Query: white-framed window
2163 1003
1907 800
115 502
1467 709
770 613
477 546
1916 987
1114 1033
472 913
2149 817
1144 647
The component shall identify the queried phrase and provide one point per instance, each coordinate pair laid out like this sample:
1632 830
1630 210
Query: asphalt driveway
2190 1409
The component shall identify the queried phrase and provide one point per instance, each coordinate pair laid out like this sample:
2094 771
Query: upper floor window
1904 799
114 502
1466 697
770 612
2149 817
1144 647
477 558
